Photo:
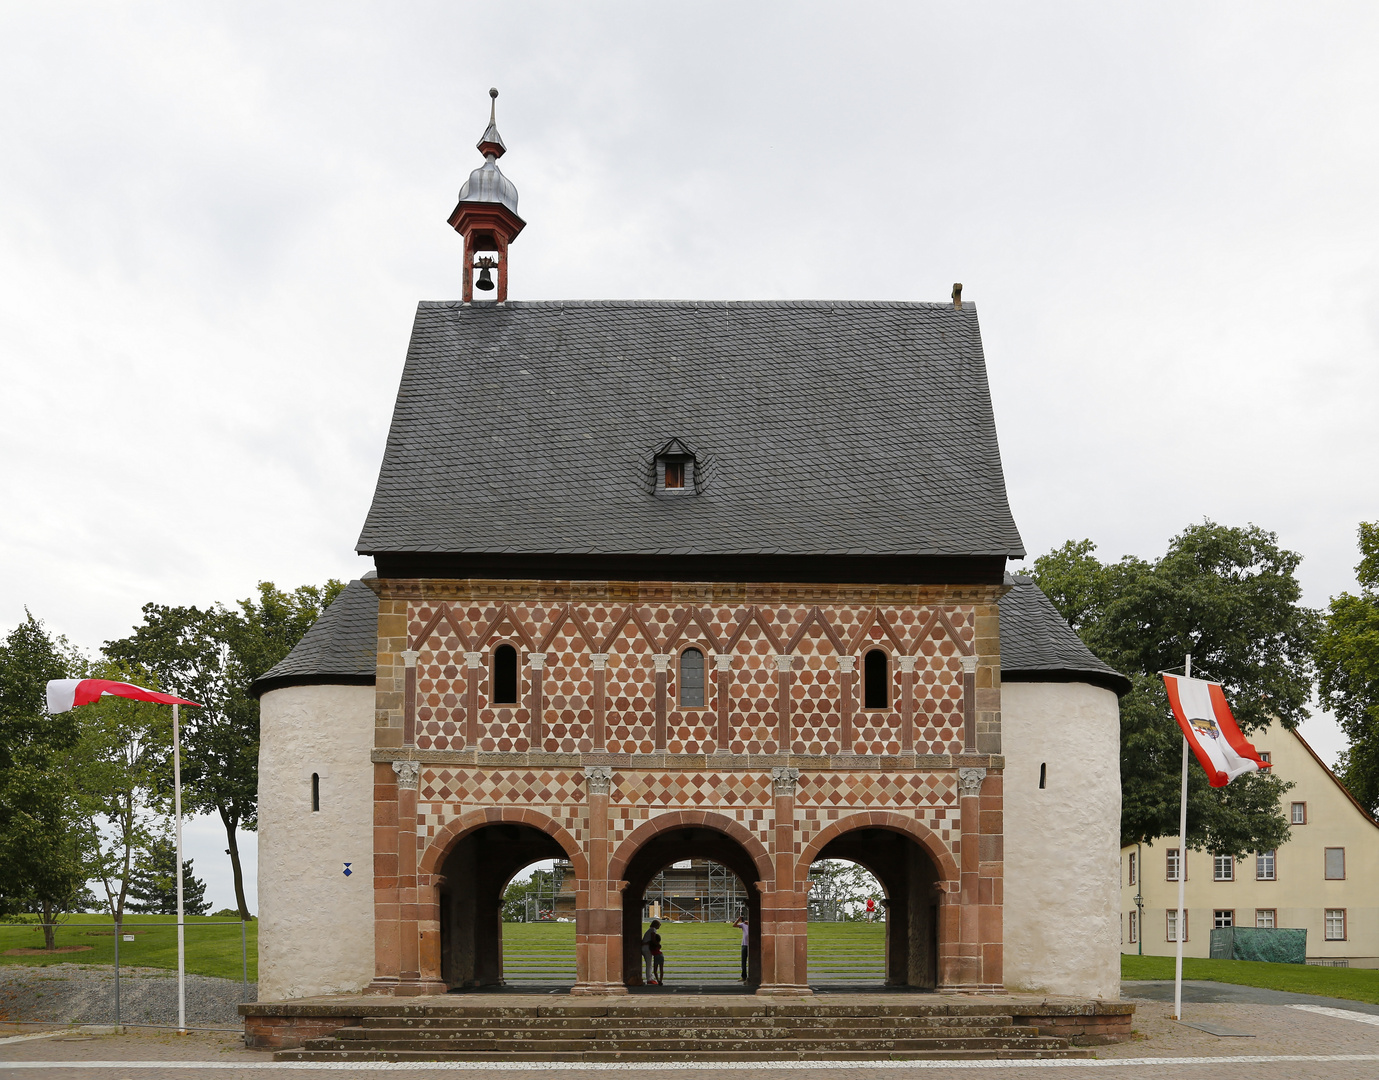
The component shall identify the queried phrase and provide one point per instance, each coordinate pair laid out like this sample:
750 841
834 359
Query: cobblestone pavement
1289 1044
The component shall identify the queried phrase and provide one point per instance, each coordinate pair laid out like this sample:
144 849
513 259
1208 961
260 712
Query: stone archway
917 873
671 837
467 867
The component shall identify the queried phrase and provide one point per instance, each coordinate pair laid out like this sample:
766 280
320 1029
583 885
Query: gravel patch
82 994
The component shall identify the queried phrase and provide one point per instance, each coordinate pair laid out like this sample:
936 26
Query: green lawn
1354 984
544 953
213 945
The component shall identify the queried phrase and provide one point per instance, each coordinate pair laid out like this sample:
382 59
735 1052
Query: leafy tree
212 656
153 885
41 849
840 889
1348 663
1228 596
542 884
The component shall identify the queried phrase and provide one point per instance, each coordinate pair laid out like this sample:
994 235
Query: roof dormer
675 469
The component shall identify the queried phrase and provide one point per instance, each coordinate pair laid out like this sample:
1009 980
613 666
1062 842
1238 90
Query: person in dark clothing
741 921
650 941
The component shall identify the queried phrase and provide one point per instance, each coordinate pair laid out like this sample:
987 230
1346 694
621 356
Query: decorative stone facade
598 753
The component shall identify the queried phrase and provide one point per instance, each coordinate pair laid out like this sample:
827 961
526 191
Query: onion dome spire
492 142
486 216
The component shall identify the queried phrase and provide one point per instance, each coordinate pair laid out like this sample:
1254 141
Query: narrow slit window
505 675
876 672
1044 775
692 678
675 474
315 792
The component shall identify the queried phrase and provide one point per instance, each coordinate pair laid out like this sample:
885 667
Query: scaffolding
694 890
554 898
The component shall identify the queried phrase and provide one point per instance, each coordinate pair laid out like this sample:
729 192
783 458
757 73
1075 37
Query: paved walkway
1289 1043
1200 992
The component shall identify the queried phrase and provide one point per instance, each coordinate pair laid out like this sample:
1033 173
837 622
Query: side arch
682 819
456 830
879 819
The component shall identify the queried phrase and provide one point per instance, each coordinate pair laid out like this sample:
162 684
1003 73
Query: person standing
651 941
741 921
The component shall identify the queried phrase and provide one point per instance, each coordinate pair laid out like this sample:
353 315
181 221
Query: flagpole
177 813
1182 876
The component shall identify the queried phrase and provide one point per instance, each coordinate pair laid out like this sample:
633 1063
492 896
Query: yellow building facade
1325 879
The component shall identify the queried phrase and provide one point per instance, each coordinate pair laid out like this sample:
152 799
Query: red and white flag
1201 710
67 694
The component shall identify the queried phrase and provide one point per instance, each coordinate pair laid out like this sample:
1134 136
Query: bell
485 282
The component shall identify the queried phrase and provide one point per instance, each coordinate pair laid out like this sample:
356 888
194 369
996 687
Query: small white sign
128 937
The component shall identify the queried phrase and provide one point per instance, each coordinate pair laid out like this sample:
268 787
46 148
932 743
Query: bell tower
486 216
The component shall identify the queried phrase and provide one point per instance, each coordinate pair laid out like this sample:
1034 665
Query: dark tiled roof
820 428
340 647
1037 644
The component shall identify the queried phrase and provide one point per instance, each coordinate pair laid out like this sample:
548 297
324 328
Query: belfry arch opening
661 859
911 882
476 872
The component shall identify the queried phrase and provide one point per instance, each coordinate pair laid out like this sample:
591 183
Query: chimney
957 296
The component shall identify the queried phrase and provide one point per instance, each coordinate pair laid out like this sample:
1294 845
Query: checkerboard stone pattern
599 682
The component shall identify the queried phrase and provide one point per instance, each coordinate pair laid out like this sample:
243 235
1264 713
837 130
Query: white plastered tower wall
316 933
1062 842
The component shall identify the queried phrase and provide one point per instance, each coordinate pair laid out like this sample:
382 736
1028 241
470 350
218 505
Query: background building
1324 880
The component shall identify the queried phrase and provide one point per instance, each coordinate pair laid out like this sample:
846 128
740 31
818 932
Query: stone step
809 1047
1034 1054
634 1024
499 1036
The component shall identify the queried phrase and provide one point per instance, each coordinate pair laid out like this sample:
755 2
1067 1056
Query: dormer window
675 469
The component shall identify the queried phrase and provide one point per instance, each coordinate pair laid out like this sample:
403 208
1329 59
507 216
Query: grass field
839 953
1354 984
213 945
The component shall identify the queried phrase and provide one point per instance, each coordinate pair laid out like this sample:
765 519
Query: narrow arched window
315 792
504 675
876 680
1044 775
692 678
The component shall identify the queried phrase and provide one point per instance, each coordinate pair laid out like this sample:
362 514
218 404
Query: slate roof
821 428
341 647
1037 644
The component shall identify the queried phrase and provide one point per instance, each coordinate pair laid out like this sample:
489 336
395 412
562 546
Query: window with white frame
1221 919
1335 864
1299 813
1134 927
1264 866
1265 918
1172 863
1335 924
1223 868
1171 925
1132 870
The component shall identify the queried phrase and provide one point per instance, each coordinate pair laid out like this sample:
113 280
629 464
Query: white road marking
1340 1014
681 1066
35 1035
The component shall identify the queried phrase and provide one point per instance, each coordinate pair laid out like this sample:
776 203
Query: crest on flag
1202 712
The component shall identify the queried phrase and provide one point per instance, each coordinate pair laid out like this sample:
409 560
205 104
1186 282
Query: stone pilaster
784 910
598 901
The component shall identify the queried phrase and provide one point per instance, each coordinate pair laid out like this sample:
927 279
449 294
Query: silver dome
488 184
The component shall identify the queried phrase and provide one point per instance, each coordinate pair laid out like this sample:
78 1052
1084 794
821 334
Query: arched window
692 678
876 680
504 675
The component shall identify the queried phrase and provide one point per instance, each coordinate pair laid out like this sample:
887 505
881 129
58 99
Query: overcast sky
216 219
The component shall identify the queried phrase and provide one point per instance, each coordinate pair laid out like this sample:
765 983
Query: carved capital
408 773
784 661
409 657
537 661
969 664
970 781
846 664
473 659
784 780
662 663
907 663
599 660
598 779
723 661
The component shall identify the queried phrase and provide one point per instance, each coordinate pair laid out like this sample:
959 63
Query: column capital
598 779
846 664
408 773
599 660
784 779
907 663
784 661
409 657
969 664
723 661
473 659
662 662
970 781
537 661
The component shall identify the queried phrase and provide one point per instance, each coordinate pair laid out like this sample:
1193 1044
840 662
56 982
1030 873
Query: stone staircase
689 1031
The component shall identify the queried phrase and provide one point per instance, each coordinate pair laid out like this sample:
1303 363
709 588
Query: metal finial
493 105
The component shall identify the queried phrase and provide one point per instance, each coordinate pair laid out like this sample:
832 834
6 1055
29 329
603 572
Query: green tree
1348 666
212 656
41 843
153 885
840 889
1230 597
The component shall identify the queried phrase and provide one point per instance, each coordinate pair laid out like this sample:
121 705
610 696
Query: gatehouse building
660 581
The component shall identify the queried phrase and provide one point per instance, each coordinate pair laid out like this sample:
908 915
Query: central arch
680 835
